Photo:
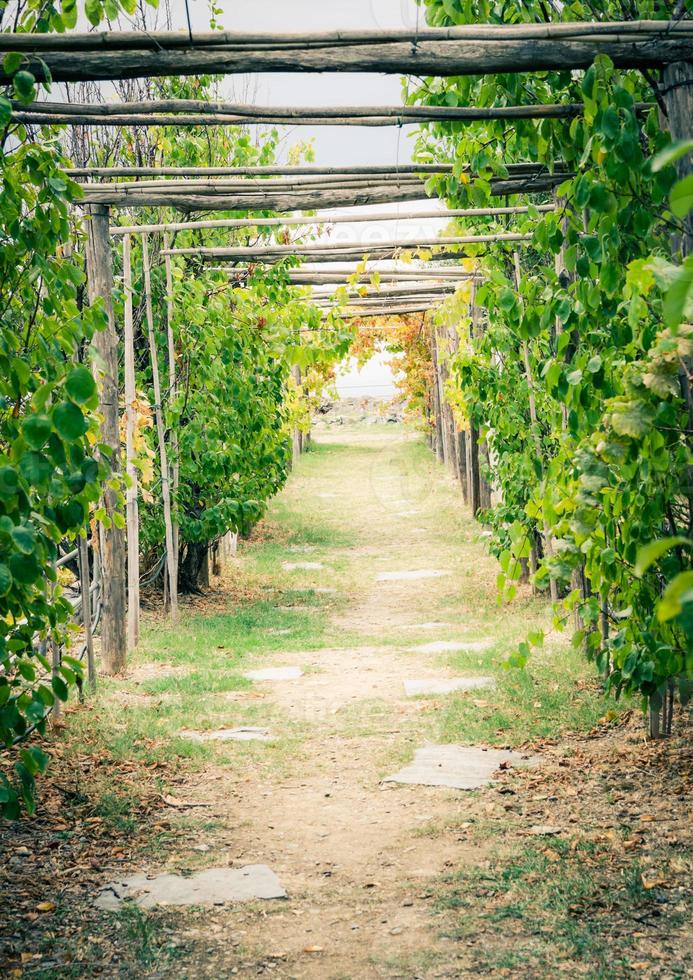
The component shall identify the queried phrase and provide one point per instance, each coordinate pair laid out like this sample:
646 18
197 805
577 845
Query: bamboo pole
218 185
319 248
328 219
100 286
386 311
131 502
275 170
172 390
158 413
193 112
162 40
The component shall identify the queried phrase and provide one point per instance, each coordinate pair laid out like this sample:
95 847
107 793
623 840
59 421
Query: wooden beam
265 171
387 311
261 200
488 49
328 219
100 287
196 112
332 249
162 40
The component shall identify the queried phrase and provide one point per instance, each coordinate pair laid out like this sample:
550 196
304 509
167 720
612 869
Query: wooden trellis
470 50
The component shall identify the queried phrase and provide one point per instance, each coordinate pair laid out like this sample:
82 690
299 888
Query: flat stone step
215 886
275 674
229 735
410 575
446 685
457 766
454 646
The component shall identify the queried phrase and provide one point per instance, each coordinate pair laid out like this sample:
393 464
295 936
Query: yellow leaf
45 907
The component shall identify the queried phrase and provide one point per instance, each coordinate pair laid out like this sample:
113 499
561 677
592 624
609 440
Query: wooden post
548 537
677 90
160 431
172 390
437 407
462 464
85 588
296 442
131 505
100 285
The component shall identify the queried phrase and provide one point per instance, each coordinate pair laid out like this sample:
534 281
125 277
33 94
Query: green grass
542 909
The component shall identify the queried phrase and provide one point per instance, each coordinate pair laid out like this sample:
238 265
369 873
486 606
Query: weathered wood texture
131 493
195 112
161 435
460 51
327 219
336 249
100 285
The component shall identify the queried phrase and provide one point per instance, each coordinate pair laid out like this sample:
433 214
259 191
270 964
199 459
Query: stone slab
229 735
454 646
446 685
410 575
456 766
307 566
275 674
215 886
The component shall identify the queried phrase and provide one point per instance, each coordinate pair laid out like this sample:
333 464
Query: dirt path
354 853
579 867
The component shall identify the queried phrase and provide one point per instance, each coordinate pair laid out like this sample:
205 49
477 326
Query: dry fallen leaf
45 907
174 801
652 882
313 949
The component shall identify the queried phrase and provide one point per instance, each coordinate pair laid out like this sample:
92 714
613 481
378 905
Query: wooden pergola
471 50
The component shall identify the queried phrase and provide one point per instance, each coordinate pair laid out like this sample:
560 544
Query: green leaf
681 198
59 688
9 482
677 594
80 385
24 86
36 430
5 580
69 421
632 418
671 154
649 553
679 295
12 61
24 539
24 568
35 468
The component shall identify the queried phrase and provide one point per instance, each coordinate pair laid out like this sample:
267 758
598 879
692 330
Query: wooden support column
472 440
131 504
534 422
172 391
296 435
677 89
462 464
437 407
105 343
161 434
85 589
